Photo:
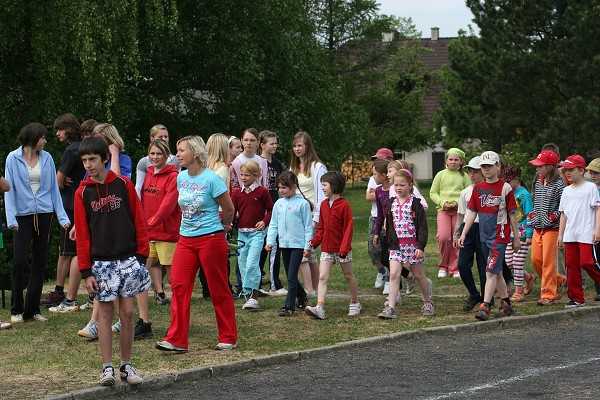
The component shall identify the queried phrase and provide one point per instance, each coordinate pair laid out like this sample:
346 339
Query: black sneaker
142 330
301 304
471 303
286 312
574 304
161 298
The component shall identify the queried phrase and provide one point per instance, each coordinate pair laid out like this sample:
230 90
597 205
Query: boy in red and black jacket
112 247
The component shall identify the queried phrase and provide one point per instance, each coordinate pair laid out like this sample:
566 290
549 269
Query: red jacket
159 201
334 232
109 222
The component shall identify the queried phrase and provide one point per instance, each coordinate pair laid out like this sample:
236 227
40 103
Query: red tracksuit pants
579 256
211 252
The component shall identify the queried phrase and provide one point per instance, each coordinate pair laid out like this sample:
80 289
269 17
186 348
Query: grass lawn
48 358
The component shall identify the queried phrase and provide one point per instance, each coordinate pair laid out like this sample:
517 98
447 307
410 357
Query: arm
57 203
422 229
561 230
139 221
84 260
320 169
460 219
268 205
596 237
316 241
378 221
60 179
307 224
348 230
514 225
10 197
370 197
140 176
4 185
434 193
272 232
227 206
115 163
468 224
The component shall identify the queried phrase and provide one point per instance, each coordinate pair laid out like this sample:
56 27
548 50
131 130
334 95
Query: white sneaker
65 307
354 309
398 300
316 312
456 275
130 375
411 286
39 318
442 273
428 308
251 304
225 346
15 319
278 292
379 280
87 306
386 288
90 331
107 377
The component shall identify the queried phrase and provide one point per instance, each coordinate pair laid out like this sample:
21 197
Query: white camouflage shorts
335 257
120 278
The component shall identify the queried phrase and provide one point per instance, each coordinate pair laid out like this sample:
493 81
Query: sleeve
418 194
316 241
472 204
83 243
139 221
554 216
168 204
10 200
319 194
527 206
140 176
348 230
307 223
460 219
422 232
511 203
126 166
223 173
434 193
57 203
268 204
272 231
380 215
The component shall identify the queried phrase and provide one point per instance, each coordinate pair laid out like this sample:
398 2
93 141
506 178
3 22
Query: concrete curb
220 370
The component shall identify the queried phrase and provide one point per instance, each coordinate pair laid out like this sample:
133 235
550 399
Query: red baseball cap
383 153
574 162
546 157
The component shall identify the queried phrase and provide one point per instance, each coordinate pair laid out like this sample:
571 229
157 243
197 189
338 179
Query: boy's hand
516 243
559 242
91 285
72 235
461 241
260 225
268 247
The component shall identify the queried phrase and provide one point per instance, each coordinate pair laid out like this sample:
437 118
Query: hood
110 176
168 168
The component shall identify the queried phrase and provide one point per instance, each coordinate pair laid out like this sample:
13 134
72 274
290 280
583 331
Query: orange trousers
543 258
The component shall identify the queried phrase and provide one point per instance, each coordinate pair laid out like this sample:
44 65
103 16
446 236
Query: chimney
435 33
387 37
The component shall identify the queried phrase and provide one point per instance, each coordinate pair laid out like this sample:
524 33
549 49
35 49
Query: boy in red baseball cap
579 228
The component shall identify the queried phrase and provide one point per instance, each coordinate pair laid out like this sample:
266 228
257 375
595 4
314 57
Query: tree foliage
530 77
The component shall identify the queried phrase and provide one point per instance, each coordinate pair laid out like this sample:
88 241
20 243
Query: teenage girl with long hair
305 164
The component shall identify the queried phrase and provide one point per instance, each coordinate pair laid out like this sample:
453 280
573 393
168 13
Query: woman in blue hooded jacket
35 195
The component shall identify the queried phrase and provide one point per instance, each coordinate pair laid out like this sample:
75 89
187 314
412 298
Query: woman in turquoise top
445 192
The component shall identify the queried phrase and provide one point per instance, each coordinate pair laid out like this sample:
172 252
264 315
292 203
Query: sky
448 15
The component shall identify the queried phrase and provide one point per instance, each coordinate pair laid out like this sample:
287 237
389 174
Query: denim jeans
291 263
471 251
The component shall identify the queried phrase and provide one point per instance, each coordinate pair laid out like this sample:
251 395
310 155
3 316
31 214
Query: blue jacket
291 221
20 200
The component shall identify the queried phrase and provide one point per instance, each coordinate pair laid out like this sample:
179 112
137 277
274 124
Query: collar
250 188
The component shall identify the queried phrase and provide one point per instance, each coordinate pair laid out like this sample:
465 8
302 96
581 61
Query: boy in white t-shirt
579 228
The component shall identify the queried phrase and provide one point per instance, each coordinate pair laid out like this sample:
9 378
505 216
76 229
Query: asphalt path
543 360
